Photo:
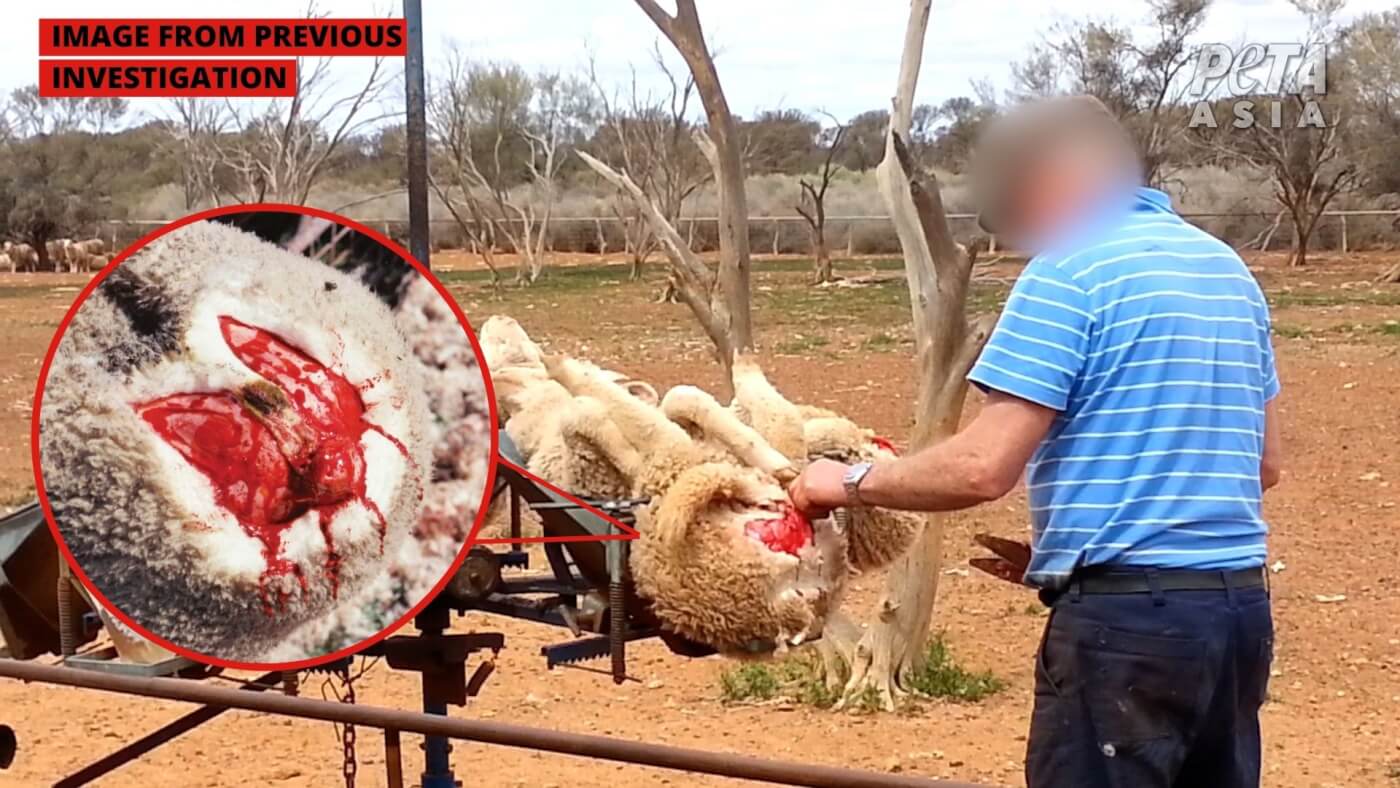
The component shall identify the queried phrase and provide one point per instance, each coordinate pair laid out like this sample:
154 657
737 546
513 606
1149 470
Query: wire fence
1339 230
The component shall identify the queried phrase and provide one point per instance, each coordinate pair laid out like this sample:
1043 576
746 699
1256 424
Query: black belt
1127 580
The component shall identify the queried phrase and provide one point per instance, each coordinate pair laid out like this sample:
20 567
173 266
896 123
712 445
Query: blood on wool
788 533
274 451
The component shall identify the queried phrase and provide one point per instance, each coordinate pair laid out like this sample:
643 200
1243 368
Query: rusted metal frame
483 731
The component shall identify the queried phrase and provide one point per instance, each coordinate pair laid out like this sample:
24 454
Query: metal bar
663 756
437 750
416 132
177 727
393 758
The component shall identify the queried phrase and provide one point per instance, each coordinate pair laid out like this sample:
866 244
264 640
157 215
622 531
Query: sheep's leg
641 424
587 420
692 493
764 408
690 405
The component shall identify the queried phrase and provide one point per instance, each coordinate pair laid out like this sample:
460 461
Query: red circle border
39 399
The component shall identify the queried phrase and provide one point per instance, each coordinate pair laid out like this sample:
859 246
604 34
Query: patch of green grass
941 677
1289 331
1390 328
802 676
1333 298
798 679
802 343
867 701
881 342
754 681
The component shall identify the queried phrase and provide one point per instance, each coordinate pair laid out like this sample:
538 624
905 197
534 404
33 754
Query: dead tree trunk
692 281
724 150
811 206
938 270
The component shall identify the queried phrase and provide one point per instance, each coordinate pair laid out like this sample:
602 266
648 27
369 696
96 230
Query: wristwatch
851 481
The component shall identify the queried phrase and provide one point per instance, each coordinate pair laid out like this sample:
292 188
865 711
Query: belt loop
1154 584
1229 579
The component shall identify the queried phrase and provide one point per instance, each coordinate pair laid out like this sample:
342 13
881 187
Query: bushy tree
55 173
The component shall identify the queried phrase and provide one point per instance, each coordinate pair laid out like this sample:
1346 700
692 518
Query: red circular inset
332 475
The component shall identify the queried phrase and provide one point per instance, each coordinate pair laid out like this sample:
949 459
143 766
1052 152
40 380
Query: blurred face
1056 192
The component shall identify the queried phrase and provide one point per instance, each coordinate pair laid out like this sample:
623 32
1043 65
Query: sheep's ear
643 391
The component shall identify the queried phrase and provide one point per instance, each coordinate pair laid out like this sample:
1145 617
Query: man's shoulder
1136 239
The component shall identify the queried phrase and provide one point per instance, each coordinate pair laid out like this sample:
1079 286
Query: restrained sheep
876 536
722 556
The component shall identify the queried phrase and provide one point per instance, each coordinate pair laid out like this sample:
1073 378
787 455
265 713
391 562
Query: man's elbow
1270 473
989 480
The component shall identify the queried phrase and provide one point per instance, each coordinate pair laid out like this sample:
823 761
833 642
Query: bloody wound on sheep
277 448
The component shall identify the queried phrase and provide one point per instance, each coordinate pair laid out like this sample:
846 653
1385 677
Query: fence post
777 231
1344 233
850 239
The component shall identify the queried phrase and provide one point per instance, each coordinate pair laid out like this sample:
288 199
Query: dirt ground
1333 718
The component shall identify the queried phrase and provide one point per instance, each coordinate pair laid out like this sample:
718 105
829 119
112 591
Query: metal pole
416 131
663 756
437 750
393 758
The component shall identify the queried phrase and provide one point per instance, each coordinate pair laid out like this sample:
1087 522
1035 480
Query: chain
348 732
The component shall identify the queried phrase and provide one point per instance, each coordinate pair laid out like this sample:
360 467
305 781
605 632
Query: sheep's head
505 344
725 560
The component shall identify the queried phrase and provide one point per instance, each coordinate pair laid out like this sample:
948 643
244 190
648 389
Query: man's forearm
943 477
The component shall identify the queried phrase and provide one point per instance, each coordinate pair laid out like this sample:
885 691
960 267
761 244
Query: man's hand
1011 561
819 489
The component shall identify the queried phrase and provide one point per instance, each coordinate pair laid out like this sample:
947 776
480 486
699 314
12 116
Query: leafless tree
195 127
1139 80
947 344
562 108
649 137
1302 148
812 203
719 297
286 145
30 115
477 116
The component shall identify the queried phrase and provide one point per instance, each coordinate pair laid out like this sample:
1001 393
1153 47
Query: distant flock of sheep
65 254
722 557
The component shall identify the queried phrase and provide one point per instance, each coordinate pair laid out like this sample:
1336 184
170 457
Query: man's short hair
1017 141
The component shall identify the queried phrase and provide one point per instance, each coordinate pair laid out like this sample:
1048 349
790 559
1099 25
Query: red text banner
223 37
167 78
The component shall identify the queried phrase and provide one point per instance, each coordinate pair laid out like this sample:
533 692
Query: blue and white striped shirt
1152 340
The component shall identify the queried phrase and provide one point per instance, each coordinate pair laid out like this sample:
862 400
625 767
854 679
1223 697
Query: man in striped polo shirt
1131 377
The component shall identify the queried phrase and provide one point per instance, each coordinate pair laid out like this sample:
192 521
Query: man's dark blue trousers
1151 690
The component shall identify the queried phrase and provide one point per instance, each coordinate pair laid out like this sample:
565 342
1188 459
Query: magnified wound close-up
237 441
